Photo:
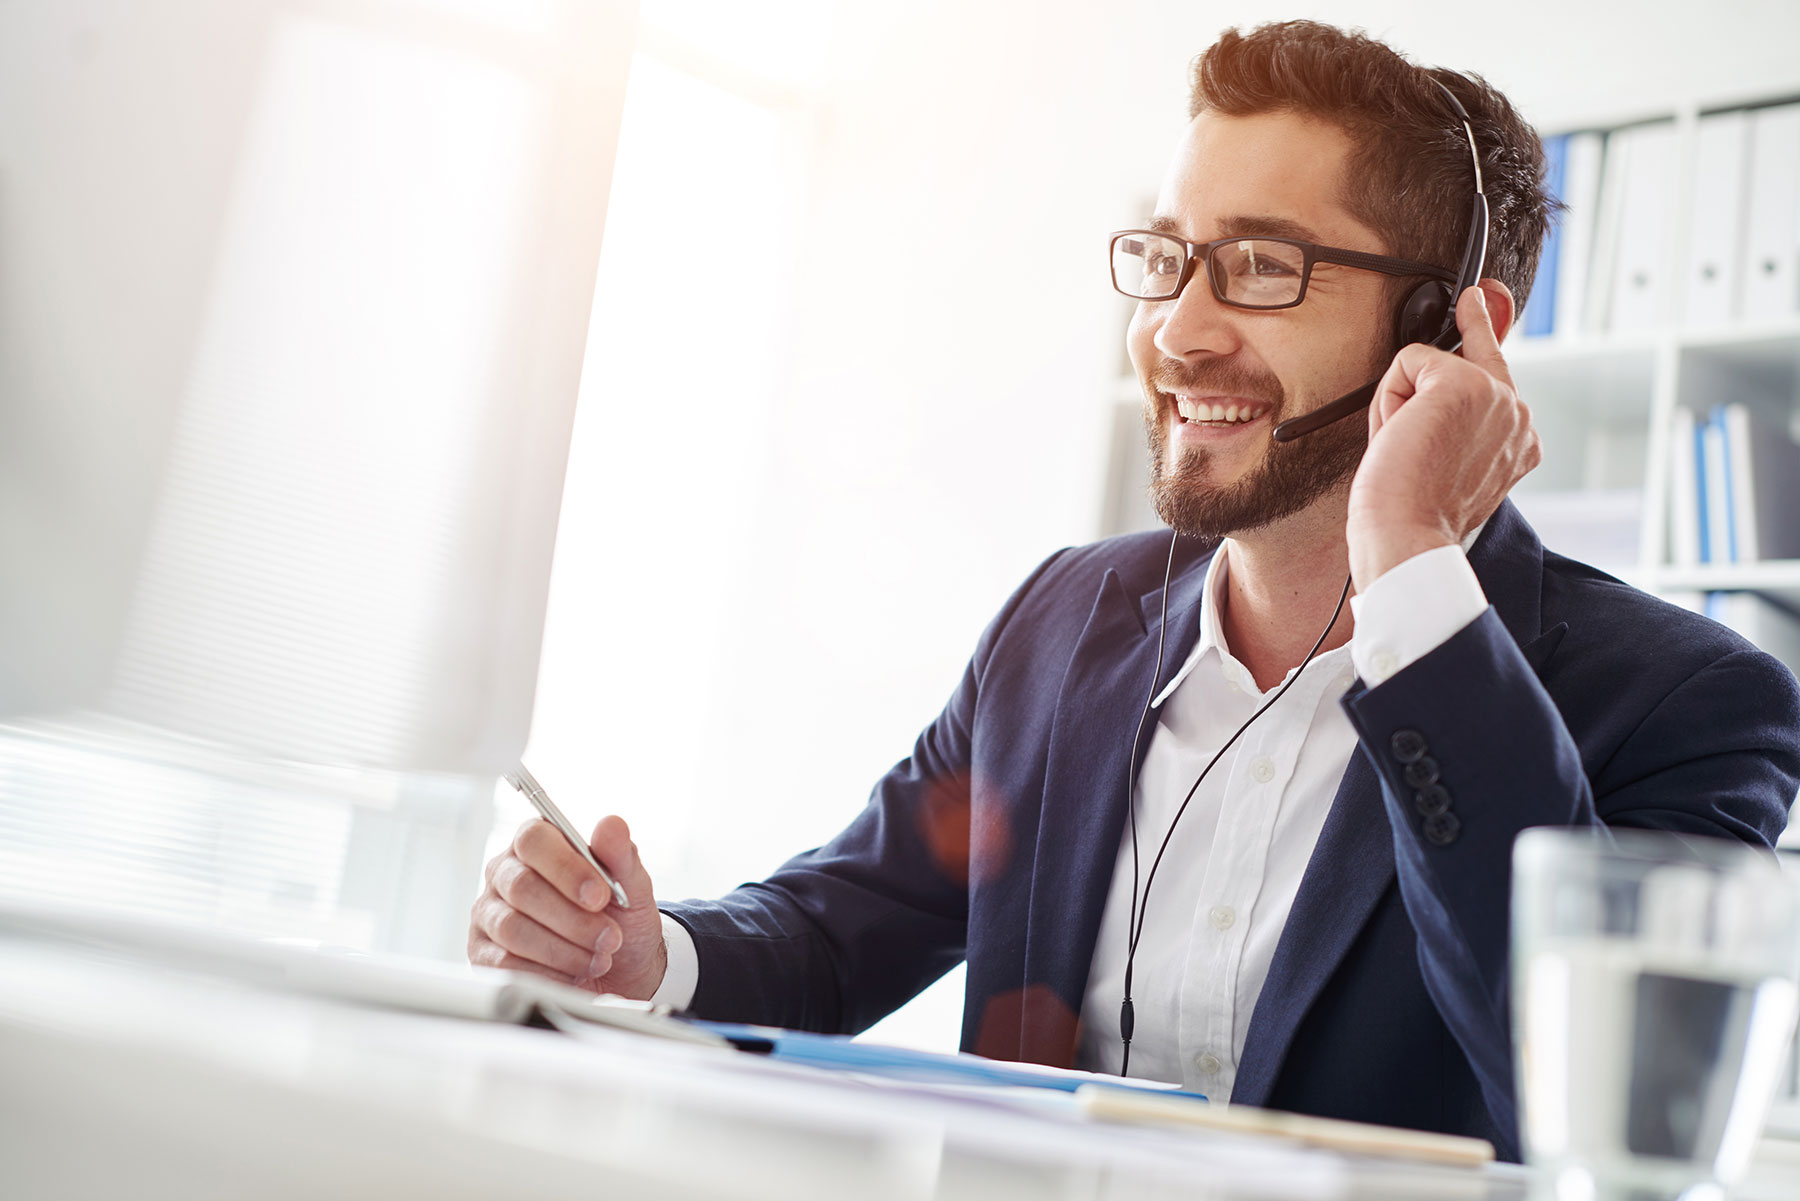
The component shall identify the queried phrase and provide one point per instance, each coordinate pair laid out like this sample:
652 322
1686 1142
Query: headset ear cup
1423 312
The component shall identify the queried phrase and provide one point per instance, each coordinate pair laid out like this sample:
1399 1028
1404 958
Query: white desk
127 1079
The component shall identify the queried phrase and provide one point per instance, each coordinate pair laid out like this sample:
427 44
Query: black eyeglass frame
1311 252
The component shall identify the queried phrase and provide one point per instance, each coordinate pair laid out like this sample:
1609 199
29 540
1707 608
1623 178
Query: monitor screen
293 297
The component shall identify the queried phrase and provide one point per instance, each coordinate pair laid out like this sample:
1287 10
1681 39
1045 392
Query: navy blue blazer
1573 700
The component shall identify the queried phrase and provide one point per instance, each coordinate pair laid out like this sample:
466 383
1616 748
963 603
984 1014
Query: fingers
541 847
612 845
1417 361
532 895
484 952
1399 383
1481 346
523 936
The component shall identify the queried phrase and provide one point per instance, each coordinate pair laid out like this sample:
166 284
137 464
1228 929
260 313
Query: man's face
1274 175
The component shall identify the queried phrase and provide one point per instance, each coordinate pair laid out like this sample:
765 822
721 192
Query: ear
1500 307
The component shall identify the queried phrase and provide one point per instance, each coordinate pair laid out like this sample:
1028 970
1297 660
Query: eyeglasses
1248 273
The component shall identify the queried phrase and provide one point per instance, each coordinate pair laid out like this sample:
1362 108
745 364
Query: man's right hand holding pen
545 910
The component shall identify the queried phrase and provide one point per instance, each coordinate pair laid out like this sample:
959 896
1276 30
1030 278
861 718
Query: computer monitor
293 298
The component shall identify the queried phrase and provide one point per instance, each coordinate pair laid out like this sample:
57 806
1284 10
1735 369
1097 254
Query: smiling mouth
1220 412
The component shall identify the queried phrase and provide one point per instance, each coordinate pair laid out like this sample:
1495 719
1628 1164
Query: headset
1428 315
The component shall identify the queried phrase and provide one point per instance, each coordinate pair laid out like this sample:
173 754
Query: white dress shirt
1234 863
1233 867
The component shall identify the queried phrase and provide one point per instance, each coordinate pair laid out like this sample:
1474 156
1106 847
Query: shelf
1611 381
1780 336
1759 342
1779 579
1555 348
1759 366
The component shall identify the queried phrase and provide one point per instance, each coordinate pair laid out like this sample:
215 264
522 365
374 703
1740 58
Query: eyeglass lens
1255 272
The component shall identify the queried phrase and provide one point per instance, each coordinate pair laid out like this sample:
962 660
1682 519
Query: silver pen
534 792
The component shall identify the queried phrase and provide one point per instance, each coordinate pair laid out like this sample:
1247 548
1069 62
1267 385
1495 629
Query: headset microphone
1428 314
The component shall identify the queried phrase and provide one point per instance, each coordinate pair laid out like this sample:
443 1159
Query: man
1316 921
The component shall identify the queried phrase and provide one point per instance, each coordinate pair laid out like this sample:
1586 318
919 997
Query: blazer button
1422 771
1409 746
1442 828
1432 800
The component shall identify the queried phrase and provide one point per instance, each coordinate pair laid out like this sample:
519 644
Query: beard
1290 477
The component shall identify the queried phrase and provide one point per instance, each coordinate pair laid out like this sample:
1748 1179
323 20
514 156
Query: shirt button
1208 1063
1262 770
1384 663
1223 916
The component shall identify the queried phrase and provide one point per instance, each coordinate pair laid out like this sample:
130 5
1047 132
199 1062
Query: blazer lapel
1103 693
1353 864
1350 869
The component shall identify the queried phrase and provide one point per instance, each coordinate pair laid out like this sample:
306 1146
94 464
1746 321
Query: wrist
1378 550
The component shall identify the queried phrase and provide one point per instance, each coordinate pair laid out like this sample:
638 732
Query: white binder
1640 284
1771 269
1575 261
1609 205
1684 491
1715 242
1763 479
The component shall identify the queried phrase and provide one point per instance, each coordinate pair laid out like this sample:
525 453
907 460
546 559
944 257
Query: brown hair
1409 177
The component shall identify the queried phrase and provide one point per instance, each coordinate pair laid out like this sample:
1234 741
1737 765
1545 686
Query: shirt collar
1212 634
1212 631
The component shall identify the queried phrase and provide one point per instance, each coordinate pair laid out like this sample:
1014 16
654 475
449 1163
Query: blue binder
840 1053
1540 309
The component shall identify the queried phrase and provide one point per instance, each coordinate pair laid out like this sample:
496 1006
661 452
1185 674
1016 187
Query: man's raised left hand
1448 439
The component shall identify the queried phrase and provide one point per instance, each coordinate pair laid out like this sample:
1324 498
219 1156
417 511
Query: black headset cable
1140 909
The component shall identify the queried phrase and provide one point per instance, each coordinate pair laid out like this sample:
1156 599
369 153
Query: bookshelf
1607 401
1599 402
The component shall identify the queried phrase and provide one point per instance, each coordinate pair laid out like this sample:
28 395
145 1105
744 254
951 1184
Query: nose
1195 322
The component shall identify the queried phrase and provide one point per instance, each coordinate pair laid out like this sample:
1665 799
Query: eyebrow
1245 226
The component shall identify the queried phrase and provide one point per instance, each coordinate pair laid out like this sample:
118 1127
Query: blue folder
1540 310
841 1053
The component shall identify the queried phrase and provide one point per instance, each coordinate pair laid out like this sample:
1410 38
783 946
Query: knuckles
509 880
535 842
509 928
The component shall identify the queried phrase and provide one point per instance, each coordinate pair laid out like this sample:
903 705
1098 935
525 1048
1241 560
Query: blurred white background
809 460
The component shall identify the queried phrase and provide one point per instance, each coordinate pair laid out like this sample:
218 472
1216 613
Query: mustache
1220 376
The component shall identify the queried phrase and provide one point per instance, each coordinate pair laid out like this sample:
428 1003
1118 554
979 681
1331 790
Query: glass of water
1653 1003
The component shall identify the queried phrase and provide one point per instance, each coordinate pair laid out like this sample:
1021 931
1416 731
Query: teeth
1193 410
